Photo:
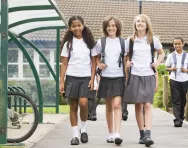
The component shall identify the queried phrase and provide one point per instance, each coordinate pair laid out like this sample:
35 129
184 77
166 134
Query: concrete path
164 134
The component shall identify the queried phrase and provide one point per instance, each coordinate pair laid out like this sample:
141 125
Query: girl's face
178 45
76 28
140 24
111 28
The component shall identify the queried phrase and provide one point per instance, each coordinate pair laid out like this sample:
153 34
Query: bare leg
109 114
73 112
148 115
117 113
139 115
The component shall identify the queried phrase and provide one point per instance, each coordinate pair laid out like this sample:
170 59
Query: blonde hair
149 31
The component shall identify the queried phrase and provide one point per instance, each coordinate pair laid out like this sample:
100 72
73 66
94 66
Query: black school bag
121 56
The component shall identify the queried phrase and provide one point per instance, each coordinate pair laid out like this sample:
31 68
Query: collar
144 38
178 53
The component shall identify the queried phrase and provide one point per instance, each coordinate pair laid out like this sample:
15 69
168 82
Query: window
13 63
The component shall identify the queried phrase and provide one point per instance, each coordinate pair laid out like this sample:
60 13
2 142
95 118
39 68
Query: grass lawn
51 110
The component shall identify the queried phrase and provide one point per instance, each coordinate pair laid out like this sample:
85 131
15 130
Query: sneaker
118 141
142 140
75 141
84 137
110 140
148 141
177 123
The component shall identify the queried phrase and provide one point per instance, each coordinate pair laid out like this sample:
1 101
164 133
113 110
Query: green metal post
57 69
3 70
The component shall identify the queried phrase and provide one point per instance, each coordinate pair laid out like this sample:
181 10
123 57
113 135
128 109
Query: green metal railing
3 69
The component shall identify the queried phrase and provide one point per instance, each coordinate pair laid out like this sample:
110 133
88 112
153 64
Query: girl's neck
78 37
141 34
112 36
179 51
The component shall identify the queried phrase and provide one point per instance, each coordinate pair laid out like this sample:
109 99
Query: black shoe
142 140
94 118
177 123
148 141
84 137
125 116
89 117
118 141
75 141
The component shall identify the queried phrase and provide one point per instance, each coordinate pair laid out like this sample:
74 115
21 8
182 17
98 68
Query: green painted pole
57 69
3 70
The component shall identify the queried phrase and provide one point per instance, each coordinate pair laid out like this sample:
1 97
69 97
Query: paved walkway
163 133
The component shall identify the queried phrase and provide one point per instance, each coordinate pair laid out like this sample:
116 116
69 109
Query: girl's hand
173 69
183 70
129 64
91 85
102 66
61 89
155 65
156 88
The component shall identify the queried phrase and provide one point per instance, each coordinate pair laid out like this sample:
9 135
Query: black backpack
121 56
131 45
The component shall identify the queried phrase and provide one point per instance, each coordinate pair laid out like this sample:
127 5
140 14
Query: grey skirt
77 87
140 89
111 87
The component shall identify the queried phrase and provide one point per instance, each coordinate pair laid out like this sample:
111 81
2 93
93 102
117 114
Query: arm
62 73
126 58
93 72
160 58
156 76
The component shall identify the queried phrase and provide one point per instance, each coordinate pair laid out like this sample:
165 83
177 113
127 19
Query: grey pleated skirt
111 87
140 89
77 87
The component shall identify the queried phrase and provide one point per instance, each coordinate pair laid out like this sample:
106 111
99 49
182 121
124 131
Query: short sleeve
64 52
93 52
98 47
127 46
168 60
157 43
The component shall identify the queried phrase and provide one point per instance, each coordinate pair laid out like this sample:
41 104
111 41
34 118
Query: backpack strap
121 56
131 44
103 44
69 48
183 59
175 61
152 55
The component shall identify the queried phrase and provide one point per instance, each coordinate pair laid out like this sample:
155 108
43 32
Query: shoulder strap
131 44
121 56
103 44
175 61
183 58
70 48
152 55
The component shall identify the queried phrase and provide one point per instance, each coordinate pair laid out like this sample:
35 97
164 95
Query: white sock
83 126
111 136
75 131
117 135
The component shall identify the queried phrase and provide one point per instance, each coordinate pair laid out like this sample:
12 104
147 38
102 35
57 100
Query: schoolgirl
141 80
111 84
79 66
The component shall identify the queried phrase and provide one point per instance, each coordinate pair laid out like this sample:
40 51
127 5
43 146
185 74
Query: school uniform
142 82
78 73
112 77
178 85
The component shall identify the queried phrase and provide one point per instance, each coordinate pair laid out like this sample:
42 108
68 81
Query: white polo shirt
142 56
180 76
79 64
112 53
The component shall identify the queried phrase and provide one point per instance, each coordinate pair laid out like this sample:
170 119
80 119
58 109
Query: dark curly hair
86 34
